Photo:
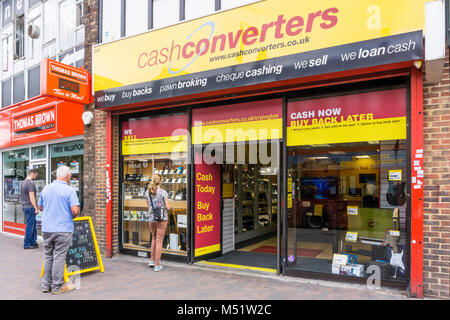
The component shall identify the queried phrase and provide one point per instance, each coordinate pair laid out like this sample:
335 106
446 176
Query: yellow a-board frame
97 253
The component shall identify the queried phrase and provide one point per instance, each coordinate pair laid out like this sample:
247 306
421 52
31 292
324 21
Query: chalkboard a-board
83 254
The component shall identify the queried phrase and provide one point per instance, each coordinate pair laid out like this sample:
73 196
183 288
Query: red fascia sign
38 122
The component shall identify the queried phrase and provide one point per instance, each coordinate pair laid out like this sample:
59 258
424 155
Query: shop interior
138 171
250 187
340 190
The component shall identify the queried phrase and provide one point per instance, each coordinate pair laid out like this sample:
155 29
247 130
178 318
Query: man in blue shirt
59 205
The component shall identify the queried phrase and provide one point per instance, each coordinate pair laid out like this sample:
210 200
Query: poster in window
75 167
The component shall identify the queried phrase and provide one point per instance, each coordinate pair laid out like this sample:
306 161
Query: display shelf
138 172
140 203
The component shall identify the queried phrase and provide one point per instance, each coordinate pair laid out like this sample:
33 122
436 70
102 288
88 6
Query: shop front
279 155
42 133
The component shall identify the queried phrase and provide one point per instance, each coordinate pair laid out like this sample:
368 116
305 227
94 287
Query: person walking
158 204
30 209
59 205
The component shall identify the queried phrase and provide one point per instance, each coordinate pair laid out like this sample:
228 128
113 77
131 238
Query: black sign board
68 85
83 255
369 53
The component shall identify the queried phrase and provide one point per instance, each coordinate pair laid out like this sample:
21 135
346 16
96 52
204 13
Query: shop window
145 153
69 154
137 174
38 153
111 17
15 167
347 185
198 8
165 13
136 20
19 37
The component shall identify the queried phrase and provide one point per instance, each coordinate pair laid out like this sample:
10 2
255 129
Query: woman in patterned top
157 198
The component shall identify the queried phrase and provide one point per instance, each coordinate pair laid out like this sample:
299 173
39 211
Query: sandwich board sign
83 254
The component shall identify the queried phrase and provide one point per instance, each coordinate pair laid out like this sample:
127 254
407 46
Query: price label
395 175
352 211
340 259
181 221
318 210
394 233
351 236
289 186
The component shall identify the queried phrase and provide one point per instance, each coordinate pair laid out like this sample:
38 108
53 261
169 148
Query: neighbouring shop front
296 161
42 133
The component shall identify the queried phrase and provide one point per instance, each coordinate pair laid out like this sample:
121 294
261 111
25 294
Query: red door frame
416 194
351 76
109 208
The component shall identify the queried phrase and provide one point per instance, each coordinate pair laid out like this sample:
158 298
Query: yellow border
208 249
97 253
237 266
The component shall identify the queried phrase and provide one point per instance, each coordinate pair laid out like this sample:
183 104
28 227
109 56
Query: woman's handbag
157 212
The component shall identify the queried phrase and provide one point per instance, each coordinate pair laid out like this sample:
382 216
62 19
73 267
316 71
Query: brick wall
436 229
91 35
95 149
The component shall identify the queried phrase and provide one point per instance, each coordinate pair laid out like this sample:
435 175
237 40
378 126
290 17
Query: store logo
278 29
42 120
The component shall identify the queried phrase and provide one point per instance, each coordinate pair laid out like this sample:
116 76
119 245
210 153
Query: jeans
158 229
56 245
31 229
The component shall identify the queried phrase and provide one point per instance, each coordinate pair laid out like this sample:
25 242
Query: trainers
64 288
46 290
151 263
158 268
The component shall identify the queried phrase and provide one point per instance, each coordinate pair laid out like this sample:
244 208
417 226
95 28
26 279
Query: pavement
129 278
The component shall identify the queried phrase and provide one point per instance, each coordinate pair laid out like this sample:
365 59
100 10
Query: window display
152 146
138 172
15 166
349 210
348 170
69 154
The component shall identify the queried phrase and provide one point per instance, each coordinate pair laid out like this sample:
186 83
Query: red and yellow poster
207 209
251 121
155 135
371 116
